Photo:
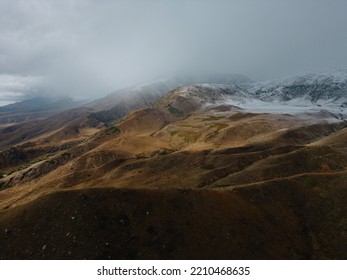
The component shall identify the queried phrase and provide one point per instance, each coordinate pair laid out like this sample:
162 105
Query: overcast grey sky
90 48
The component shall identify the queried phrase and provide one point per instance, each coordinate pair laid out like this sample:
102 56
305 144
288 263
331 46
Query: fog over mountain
86 49
188 129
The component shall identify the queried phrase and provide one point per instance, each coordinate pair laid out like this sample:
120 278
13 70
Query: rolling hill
232 170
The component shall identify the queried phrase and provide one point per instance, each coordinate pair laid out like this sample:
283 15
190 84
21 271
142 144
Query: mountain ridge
152 173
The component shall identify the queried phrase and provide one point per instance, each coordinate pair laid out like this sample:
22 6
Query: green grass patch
112 130
218 126
44 157
174 111
24 166
213 118
188 136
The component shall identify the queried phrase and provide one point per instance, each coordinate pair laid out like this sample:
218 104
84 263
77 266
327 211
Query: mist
86 49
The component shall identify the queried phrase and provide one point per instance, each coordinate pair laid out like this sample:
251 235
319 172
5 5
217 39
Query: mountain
189 98
35 108
35 121
202 171
27 105
121 102
314 87
186 99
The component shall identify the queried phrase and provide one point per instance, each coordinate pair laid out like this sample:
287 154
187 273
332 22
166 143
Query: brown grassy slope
74 118
146 188
337 139
70 127
282 220
150 148
318 159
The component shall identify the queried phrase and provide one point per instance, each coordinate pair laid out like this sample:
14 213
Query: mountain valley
183 168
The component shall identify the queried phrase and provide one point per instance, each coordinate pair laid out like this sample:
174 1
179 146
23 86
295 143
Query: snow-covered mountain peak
314 92
315 88
315 78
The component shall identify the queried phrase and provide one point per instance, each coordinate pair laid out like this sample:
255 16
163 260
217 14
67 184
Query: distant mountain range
320 89
35 108
304 93
40 104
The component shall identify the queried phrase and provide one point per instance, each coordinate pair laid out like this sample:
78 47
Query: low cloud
88 48
15 87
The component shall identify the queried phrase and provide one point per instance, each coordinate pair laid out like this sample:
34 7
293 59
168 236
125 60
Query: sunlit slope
212 147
